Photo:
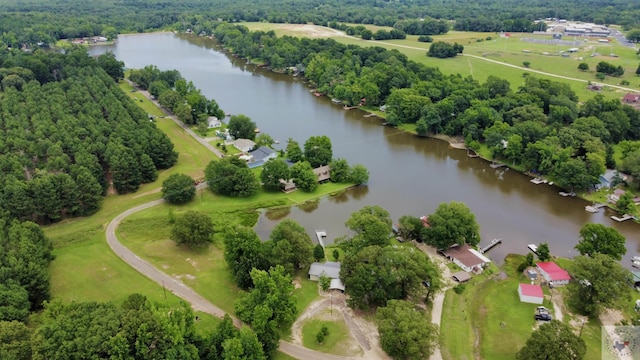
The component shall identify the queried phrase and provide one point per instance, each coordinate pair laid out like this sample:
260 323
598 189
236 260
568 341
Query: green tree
294 152
269 306
359 175
241 127
193 228
410 227
264 140
317 151
543 252
243 252
405 332
273 171
583 66
178 189
451 223
553 340
625 204
638 70
324 282
526 64
572 174
601 283
598 238
303 176
111 65
15 341
371 225
339 170
231 176
14 302
318 252
290 246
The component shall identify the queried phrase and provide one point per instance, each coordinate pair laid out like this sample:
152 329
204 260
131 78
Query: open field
339 340
508 53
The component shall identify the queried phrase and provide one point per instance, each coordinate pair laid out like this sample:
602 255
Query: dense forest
69 134
35 21
541 127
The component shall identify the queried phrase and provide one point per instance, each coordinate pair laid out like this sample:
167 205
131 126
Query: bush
178 189
320 337
459 289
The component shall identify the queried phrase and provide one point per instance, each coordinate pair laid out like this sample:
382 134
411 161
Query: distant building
323 173
553 274
606 179
263 154
613 198
461 276
630 98
466 258
213 122
530 293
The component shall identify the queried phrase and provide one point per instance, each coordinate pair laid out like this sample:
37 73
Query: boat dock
562 193
494 242
533 248
321 235
595 208
621 219
495 165
538 181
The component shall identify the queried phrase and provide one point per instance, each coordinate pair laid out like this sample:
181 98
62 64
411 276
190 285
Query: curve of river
409 175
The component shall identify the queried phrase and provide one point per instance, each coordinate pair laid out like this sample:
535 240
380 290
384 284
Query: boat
567 194
336 101
635 264
537 181
533 248
635 258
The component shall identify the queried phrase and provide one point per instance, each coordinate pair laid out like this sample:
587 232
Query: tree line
540 127
45 22
69 134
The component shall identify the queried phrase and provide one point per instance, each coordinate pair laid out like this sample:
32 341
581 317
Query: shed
554 274
336 284
461 276
244 145
630 98
287 186
330 269
530 293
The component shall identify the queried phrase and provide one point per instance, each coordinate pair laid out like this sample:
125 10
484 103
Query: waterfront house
606 179
553 274
466 258
530 293
287 186
329 269
244 145
213 122
323 173
263 154
617 193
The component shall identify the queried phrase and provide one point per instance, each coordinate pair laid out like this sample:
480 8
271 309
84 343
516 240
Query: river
408 175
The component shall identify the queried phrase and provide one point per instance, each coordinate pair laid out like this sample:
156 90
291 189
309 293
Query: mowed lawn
508 51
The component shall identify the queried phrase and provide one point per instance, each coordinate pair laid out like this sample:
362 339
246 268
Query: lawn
339 340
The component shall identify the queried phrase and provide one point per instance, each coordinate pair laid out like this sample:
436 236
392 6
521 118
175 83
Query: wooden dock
595 207
495 165
621 219
321 235
562 193
494 242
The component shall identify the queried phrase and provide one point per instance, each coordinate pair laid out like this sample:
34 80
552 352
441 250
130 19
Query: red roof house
530 293
554 274
630 98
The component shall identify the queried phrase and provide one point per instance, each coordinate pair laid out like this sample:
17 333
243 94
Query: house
244 145
606 179
553 274
630 98
263 154
329 269
213 122
425 221
288 186
530 293
323 173
461 276
613 198
466 258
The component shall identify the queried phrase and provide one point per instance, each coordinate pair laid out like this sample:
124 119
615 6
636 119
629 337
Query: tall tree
241 127
231 176
15 341
290 246
294 153
451 223
406 332
317 151
272 172
303 176
372 226
598 238
553 340
543 252
178 189
193 228
601 283
243 252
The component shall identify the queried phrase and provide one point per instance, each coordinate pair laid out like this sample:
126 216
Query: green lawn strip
457 337
334 343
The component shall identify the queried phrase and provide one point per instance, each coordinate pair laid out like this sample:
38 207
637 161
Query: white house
554 274
263 154
530 293
244 145
329 269
213 122
466 258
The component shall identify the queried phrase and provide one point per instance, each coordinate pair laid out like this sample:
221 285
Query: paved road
186 128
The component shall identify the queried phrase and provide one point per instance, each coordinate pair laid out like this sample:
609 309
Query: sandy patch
309 31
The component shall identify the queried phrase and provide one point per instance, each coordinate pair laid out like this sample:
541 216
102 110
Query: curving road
186 293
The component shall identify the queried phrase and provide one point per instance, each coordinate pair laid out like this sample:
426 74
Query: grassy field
338 340
513 51
488 320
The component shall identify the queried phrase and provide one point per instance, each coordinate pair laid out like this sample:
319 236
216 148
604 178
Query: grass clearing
337 342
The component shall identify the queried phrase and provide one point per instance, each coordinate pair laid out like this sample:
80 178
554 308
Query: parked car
543 317
542 310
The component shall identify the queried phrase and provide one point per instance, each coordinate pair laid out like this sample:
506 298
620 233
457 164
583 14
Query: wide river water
408 175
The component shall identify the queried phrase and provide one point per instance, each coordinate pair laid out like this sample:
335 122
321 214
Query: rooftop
466 255
554 271
329 268
261 153
531 290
